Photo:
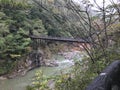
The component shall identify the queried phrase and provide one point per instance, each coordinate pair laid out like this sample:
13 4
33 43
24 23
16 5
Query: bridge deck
79 40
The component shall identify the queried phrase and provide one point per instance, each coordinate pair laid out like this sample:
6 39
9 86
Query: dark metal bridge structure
37 40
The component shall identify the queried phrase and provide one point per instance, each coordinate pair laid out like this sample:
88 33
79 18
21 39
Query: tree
95 28
14 40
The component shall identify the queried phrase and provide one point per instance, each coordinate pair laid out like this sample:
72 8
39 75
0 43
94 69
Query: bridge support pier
36 58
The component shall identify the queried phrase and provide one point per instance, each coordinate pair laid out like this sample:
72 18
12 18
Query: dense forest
59 18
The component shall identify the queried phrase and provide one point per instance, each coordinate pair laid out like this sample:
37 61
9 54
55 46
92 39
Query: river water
20 83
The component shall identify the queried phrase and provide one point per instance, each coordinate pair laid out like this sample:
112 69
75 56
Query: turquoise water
20 83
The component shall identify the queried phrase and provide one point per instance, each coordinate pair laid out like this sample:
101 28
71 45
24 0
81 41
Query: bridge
37 40
60 39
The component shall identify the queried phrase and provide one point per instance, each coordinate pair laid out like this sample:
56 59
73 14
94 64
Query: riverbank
70 52
64 60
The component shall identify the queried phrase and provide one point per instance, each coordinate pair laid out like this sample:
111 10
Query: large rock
51 63
36 58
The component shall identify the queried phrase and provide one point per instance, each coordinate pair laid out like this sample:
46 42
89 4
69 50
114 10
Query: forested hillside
60 18
17 18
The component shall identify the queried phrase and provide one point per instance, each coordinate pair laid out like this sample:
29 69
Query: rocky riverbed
61 61
36 59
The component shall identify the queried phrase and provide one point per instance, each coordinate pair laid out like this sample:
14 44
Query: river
20 83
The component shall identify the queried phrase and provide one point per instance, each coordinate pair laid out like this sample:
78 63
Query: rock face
36 59
51 63
2 78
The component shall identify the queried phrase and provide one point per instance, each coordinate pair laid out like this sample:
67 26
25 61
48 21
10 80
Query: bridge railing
79 40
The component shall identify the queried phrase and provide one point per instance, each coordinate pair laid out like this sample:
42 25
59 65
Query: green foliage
78 79
13 4
39 82
54 21
18 17
84 72
75 80
81 76
38 28
15 23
